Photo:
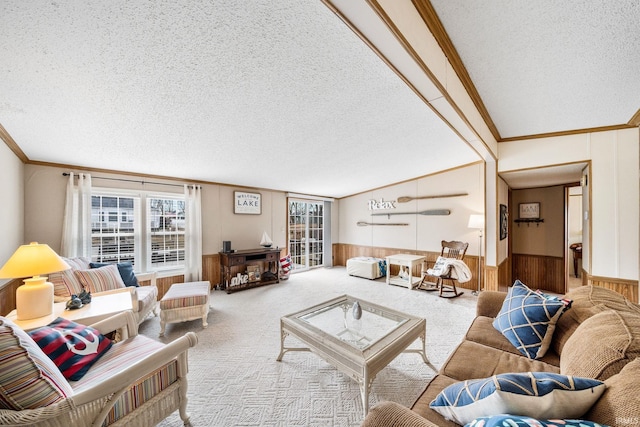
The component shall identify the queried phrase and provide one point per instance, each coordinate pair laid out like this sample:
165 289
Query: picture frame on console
247 203
253 271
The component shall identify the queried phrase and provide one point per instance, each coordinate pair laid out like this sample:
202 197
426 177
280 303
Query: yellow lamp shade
34 298
33 259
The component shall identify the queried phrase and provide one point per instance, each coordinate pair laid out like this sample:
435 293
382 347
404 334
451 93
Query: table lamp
35 297
477 221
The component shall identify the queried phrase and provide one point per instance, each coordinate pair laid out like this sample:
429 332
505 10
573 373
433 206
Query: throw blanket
459 269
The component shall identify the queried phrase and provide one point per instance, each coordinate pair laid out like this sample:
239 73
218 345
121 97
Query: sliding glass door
306 234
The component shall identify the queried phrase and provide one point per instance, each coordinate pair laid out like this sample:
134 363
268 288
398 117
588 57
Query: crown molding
4 135
635 119
568 132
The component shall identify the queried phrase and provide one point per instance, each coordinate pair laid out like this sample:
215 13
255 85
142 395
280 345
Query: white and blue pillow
540 395
518 421
528 318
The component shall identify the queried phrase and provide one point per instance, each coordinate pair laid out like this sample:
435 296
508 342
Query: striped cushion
142 391
147 296
28 378
65 283
121 356
100 279
181 295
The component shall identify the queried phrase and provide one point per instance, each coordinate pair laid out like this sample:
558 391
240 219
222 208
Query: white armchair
139 381
144 299
66 283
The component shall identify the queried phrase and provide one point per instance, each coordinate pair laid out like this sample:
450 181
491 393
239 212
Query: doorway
573 238
306 234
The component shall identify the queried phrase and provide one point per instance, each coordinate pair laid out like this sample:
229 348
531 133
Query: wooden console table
232 263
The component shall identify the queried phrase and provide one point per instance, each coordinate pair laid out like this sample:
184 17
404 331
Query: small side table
404 260
100 307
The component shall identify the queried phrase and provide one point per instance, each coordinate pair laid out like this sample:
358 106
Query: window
165 228
144 229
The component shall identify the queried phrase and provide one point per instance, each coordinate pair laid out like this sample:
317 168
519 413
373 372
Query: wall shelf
528 221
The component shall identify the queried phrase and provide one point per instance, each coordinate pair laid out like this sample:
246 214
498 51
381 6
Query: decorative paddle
427 212
363 223
405 199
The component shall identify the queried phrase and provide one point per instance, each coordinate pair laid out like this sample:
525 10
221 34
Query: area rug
235 380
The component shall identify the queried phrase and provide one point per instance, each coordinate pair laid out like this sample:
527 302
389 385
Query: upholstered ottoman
183 302
366 267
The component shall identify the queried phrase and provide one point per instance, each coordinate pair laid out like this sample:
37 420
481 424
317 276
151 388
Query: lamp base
34 299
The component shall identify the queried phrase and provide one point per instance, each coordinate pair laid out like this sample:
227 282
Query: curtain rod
131 180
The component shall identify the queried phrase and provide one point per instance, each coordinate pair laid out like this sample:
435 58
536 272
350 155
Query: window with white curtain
146 229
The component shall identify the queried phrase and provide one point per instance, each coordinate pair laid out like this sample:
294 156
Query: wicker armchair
139 381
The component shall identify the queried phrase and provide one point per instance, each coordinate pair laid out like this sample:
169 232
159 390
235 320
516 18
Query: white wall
12 212
614 193
423 232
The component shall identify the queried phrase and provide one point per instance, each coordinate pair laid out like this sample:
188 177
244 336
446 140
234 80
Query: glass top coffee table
360 347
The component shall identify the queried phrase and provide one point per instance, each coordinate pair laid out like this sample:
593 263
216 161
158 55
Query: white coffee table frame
404 260
360 364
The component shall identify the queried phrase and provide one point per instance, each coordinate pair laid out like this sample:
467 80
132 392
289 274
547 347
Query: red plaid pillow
73 348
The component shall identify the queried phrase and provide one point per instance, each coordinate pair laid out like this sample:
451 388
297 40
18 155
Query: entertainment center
235 274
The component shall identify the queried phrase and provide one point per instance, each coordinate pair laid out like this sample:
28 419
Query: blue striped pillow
74 348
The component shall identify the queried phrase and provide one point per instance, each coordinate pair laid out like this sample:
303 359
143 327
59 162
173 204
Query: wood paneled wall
628 288
540 272
8 296
342 252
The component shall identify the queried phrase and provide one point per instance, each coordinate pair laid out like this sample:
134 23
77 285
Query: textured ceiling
280 95
283 95
547 65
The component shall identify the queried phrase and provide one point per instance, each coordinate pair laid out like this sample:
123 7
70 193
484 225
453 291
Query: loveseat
597 337
136 381
100 279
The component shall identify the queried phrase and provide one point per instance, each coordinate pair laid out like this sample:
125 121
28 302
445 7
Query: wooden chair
455 250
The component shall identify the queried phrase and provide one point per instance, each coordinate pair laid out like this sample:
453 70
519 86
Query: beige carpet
235 380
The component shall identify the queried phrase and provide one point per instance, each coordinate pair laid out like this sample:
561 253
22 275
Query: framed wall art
504 223
247 203
529 210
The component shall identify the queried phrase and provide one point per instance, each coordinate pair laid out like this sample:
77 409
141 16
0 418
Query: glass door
306 224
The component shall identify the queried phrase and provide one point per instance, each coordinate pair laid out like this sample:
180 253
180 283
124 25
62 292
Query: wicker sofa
137 382
598 337
79 277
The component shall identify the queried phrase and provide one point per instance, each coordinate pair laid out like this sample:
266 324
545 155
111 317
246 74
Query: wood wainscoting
8 296
540 272
628 288
343 251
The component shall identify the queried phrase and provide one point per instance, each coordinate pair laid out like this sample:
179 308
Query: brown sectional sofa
598 337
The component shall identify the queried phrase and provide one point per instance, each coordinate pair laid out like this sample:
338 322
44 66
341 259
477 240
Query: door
573 238
306 234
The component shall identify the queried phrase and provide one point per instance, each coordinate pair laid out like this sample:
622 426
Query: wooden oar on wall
405 199
427 212
364 223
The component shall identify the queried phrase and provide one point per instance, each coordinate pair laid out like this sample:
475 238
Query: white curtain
76 228
193 233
